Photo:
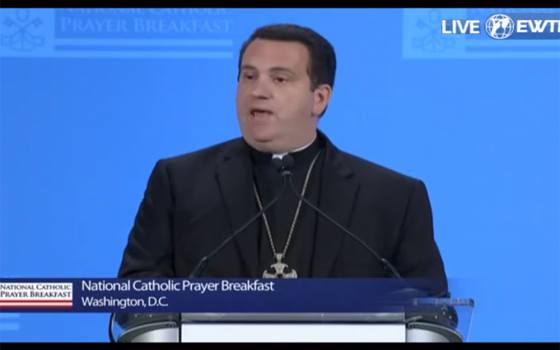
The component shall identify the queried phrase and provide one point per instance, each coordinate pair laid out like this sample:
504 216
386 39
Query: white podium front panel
260 333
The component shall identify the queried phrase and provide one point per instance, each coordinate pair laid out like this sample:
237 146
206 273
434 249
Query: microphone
203 263
288 161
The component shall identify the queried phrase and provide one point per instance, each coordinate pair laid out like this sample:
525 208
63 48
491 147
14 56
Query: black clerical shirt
299 255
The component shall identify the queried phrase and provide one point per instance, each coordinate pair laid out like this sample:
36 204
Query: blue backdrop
91 99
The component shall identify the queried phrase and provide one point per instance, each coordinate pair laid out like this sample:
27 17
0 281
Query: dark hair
322 57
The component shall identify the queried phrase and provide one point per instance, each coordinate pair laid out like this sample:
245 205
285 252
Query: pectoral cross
280 269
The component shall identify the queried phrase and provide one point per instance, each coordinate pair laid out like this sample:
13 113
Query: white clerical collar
281 155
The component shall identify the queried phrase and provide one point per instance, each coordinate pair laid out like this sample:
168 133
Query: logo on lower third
510 26
35 295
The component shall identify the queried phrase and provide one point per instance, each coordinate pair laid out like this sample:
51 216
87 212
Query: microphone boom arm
387 266
201 266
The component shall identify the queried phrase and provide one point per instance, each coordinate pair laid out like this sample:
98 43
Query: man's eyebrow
282 70
273 69
247 66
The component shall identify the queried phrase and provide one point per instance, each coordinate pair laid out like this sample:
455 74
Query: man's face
276 108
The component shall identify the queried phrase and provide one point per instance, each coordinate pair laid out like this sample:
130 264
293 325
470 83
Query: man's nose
261 89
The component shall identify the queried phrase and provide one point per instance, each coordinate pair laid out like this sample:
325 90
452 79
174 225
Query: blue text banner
208 295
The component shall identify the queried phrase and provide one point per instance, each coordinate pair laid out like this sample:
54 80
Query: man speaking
323 212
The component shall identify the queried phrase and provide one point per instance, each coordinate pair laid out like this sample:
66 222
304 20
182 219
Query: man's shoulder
367 170
206 155
384 183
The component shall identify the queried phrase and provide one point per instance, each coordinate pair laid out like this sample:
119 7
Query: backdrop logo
481 33
117 33
20 28
513 26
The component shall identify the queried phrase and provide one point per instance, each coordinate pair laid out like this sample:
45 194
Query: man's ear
322 96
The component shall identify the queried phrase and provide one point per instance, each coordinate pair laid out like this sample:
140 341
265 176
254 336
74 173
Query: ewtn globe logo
472 33
499 26
511 26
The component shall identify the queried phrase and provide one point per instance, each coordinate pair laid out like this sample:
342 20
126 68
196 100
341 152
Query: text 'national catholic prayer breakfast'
174 286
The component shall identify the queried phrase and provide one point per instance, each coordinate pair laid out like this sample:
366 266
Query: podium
421 321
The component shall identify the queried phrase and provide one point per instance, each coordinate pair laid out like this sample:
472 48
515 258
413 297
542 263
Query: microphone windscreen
278 164
288 161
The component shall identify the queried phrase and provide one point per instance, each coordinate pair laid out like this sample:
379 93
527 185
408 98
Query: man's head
285 81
